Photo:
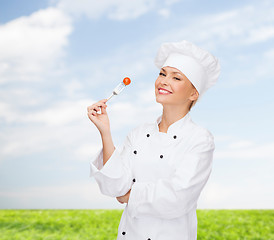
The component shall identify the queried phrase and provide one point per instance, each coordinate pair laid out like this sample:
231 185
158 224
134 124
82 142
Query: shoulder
201 135
201 131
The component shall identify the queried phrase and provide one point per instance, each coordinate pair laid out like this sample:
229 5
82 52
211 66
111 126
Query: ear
194 95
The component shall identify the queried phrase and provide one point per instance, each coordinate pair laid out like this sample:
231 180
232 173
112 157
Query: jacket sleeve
113 178
176 196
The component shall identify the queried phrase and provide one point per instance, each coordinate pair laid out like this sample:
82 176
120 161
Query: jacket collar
177 128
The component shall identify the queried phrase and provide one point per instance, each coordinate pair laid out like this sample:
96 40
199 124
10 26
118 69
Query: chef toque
198 65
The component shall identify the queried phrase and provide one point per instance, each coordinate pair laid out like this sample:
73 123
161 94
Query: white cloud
241 144
64 124
247 195
269 54
260 34
29 140
82 195
117 10
241 175
170 2
59 126
31 45
6 112
73 88
232 32
223 138
214 194
243 26
15 97
57 114
87 151
246 150
164 12
60 114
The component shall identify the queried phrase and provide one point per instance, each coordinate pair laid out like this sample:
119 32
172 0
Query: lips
164 91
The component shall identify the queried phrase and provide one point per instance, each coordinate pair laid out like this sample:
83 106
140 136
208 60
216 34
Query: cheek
181 89
157 83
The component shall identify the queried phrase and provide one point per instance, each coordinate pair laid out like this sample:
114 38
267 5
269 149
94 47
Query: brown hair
192 104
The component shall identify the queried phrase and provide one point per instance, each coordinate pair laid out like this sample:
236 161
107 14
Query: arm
101 121
114 178
110 168
174 197
108 146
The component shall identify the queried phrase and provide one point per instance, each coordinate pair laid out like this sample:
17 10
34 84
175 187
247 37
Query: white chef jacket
166 173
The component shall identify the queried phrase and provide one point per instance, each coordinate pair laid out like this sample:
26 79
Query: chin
162 101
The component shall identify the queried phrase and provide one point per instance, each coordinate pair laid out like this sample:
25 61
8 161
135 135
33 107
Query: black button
148 239
123 233
133 180
174 136
135 152
148 135
161 156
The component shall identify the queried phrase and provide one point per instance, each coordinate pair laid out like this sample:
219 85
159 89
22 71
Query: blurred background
59 56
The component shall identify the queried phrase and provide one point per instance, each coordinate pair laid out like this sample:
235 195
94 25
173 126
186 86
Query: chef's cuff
112 168
136 198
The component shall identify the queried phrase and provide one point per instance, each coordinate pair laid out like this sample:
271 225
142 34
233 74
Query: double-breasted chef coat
166 173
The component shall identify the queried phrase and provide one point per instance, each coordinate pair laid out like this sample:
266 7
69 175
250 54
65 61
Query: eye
162 74
177 78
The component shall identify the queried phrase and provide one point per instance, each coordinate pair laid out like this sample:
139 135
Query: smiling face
172 87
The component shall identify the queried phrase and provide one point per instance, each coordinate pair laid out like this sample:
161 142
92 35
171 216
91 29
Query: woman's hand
100 120
124 199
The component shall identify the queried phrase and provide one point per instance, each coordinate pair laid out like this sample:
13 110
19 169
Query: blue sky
57 57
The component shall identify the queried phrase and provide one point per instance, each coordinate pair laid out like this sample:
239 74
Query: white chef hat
198 65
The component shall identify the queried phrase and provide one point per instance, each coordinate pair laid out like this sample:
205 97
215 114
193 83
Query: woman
161 169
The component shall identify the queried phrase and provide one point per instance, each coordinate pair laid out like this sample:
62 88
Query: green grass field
103 224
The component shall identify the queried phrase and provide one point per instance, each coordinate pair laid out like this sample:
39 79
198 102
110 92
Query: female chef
162 167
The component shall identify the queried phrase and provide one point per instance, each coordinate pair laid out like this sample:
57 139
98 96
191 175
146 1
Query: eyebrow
171 72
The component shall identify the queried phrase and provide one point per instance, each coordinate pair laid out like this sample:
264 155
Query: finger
91 108
91 116
103 100
94 109
97 108
98 104
92 113
103 109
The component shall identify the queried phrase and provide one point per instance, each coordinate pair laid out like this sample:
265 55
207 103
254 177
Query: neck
171 114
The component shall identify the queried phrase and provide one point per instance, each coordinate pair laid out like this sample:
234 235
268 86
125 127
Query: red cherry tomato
126 81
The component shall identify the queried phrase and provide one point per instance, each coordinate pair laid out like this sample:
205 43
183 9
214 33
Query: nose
164 81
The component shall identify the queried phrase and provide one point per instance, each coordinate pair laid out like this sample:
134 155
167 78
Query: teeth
163 91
